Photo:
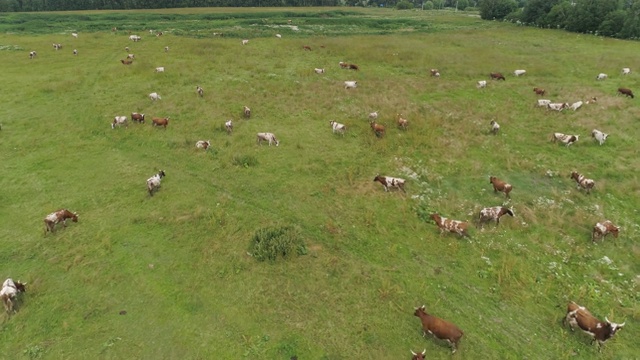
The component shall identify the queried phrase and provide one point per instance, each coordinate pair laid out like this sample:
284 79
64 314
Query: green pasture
178 266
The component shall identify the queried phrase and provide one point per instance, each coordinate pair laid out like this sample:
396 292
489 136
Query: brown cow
499 185
402 122
306 47
601 331
582 181
497 76
600 230
418 356
354 67
160 122
626 92
378 129
60 216
454 226
137 117
439 328
539 91
126 62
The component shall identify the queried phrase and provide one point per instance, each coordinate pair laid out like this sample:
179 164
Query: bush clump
272 242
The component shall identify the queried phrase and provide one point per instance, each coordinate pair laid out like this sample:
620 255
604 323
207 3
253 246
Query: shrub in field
404 5
273 242
244 160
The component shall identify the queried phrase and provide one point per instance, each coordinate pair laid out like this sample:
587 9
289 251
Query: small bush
244 160
273 242
428 5
404 5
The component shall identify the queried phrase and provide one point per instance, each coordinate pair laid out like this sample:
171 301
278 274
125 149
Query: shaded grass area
177 263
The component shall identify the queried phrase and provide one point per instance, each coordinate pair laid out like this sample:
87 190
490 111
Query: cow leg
402 188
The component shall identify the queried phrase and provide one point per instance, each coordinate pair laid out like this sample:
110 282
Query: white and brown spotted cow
583 182
564 138
454 226
388 181
493 214
600 230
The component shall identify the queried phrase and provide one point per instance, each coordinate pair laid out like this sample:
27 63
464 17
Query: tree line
613 18
65 5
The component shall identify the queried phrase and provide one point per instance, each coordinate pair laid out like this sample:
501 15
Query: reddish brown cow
581 317
497 76
57 217
378 129
418 356
137 117
127 62
499 185
439 328
626 92
354 67
306 47
402 122
600 230
539 91
160 122
450 225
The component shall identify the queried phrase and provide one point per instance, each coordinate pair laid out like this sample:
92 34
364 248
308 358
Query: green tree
613 23
535 10
558 16
428 5
589 14
496 9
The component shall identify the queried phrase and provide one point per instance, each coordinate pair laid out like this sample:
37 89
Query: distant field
178 262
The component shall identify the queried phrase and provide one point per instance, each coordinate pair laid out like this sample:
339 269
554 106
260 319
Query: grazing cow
493 213
229 126
378 129
582 181
557 106
126 48
278 36
576 105
246 112
160 69
626 71
439 328
9 293
245 42
319 71
495 127
337 127
135 38
75 35
166 49
388 181
539 91
153 183
564 138
60 216
160 122
350 84
199 90
626 92
599 136
119 120
57 46
543 102
131 56
434 72
481 84
373 115
154 96
599 331
402 122
269 137
601 76
343 65
497 76
418 356
126 62
306 47
592 100
203 144
519 72
32 54
499 185
354 67
159 34
75 52
454 226
137 117
600 230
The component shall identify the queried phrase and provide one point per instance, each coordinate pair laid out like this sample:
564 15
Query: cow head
614 327
21 287
420 310
574 175
74 218
161 174
419 356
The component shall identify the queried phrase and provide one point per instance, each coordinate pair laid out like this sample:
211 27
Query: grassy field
177 262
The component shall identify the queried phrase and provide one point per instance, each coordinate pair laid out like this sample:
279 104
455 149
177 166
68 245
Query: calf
388 181
418 356
599 136
481 84
564 138
439 328
600 230
203 144
160 122
32 54
350 84
166 49
246 112
601 76
343 65
626 92
306 47
154 96
539 91
576 105
557 106
228 125
337 127
499 185
9 293
126 62
454 226
160 69
435 73
378 129
626 71
319 71
543 102
373 115
199 90
495 127
493 213
245 42
268 137
582 181
75 35
119 120
153 183
137 117
581 317
519 72
402 122
75 52
497 76
60 216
